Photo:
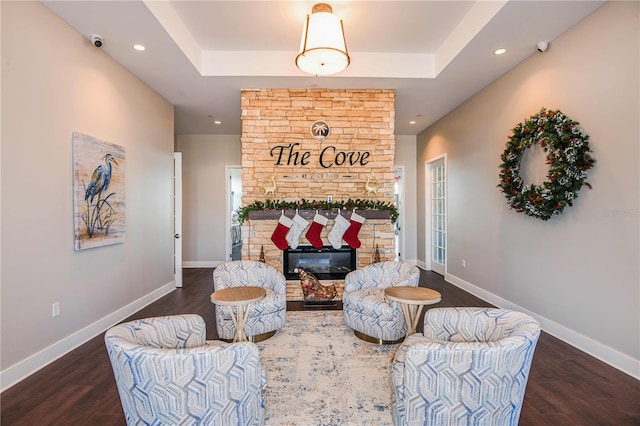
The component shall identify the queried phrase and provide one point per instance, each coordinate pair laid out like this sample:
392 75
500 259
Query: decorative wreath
568 157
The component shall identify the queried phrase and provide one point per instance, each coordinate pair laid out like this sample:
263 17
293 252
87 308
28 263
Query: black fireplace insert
325 263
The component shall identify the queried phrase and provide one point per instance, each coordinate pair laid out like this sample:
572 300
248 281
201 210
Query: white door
234 202
399 200
437 215
177 218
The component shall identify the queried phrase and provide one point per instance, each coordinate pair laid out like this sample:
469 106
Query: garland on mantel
243 212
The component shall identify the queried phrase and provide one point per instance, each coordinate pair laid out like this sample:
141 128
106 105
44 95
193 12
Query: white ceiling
436 54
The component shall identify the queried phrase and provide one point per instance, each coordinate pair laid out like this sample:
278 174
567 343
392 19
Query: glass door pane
438 216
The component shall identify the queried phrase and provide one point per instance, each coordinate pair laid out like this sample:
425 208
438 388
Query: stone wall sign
291 155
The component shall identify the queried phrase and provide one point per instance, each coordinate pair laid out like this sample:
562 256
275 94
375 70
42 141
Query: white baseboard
35 362
202 264
596 349
421 264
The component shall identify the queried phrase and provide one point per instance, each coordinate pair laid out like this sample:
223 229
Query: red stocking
313 234
351 234
279 236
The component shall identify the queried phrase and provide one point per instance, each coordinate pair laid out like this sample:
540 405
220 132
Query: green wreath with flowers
568 156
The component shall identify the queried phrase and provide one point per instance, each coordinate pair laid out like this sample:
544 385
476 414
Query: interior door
399 201
437 217
177 218
234 202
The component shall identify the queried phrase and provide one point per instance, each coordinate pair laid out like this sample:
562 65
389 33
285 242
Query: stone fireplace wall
277 145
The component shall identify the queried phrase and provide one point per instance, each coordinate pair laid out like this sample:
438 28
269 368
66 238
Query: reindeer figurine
372 185
269 185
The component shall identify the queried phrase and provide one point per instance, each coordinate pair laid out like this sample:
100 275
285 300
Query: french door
177 218
437 215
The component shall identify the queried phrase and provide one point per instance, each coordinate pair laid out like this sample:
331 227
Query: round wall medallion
320 130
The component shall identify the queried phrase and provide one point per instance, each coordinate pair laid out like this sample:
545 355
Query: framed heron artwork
98 192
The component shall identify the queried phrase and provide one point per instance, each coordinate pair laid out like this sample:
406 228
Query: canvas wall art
98 188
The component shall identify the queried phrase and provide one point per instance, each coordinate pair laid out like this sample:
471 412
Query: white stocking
293 236
339 228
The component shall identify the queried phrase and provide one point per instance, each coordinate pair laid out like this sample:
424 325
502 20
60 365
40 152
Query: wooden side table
238 299
413 300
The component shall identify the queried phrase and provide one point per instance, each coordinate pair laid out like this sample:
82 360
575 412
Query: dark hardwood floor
566 386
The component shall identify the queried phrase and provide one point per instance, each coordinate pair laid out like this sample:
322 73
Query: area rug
319 373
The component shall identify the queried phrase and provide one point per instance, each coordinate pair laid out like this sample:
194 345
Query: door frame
427 209
177 218
228 240
400 247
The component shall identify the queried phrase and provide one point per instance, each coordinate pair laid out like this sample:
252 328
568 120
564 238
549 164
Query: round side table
413 300
238 299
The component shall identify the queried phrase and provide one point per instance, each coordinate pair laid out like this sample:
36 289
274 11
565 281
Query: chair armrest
475 324
408 282
398 365
242 273
382 275
361 278
168 332
277 283
409 343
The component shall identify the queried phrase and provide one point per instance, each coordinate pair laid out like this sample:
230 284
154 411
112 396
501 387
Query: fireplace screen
326 263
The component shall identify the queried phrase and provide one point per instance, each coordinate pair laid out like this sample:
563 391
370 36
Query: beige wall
577 272
54 82
406 157
204 192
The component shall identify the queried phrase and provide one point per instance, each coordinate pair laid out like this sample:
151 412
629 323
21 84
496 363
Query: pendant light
323 49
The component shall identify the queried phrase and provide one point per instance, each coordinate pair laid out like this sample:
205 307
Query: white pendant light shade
323 50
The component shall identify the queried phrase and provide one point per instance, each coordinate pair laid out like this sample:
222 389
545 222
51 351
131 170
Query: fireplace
325 263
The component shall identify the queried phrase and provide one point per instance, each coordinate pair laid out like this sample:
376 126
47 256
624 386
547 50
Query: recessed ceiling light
412 122
217 122
500 51
138 47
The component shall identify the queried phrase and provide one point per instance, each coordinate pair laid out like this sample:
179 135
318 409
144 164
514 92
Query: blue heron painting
98 192
100 179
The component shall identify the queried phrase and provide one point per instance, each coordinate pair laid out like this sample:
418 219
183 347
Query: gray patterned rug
319 373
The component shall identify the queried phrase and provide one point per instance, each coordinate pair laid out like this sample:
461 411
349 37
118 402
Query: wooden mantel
309 214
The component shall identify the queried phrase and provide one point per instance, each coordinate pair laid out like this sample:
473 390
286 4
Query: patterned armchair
167 374
264 317
365 308
470 367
